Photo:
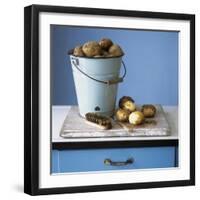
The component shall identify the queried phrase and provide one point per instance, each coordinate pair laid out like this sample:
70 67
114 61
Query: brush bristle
99 120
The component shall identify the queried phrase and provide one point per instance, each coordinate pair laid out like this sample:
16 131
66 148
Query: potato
91 49
105 53
127 103
78 51
130 106
136 118
105 43
122 115
149 110
115 50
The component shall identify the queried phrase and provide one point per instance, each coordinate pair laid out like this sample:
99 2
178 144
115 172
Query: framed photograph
109 99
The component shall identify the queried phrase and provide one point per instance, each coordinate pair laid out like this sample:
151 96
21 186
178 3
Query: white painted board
75 126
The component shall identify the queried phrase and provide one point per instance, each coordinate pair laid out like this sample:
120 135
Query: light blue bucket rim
70 52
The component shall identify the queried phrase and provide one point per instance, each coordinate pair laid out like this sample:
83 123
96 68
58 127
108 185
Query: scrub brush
99 121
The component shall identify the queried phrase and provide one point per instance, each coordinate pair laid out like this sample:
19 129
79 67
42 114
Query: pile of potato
127 111
104 48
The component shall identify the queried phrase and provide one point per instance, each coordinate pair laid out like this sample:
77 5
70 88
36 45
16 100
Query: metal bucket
96 82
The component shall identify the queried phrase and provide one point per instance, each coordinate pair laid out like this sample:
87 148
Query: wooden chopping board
76 127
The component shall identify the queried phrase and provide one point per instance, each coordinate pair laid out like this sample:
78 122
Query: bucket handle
109 82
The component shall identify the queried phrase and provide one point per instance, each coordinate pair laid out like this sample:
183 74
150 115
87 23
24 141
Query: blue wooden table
90 154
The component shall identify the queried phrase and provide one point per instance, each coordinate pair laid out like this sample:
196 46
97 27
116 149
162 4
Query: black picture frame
31 102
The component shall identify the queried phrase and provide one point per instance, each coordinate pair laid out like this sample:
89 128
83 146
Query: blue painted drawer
93 159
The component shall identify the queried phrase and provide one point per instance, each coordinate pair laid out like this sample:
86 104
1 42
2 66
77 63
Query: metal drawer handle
108 161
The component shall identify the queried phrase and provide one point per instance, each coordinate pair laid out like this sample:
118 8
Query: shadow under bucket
96 83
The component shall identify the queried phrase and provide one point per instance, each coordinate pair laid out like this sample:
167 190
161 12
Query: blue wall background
151 58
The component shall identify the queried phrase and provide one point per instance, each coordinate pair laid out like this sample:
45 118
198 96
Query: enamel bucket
96 82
